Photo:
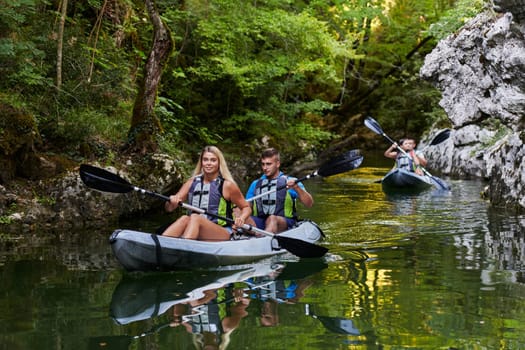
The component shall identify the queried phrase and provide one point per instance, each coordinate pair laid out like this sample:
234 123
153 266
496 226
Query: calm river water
431 271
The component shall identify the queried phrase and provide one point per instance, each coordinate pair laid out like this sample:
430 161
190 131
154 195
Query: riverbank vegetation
100 78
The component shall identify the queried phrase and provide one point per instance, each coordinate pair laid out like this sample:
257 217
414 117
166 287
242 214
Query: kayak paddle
373 125
342 163
106 181
439 138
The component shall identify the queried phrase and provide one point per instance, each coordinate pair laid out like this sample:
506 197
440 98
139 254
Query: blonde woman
213 189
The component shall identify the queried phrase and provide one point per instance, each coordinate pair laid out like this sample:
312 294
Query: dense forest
100 78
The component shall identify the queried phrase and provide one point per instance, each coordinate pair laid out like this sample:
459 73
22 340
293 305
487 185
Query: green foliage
256 48
256 71
242 71
79 124
409 105
307 134
500 132
44 200
454 18
499 127
92 106
20 53
389 42
6 219
179 127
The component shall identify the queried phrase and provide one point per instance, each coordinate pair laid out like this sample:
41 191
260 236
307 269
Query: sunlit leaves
455 18
256 47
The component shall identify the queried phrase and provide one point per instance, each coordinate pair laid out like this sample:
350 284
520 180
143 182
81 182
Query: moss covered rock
18 136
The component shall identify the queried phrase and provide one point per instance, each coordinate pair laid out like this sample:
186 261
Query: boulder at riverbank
65 202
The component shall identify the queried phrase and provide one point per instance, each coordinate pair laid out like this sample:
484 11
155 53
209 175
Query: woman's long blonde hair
223 167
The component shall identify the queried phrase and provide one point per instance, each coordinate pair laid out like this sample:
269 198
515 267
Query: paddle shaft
130 187
231 221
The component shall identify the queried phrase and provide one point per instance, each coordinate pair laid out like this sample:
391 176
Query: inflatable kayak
140 251
407 181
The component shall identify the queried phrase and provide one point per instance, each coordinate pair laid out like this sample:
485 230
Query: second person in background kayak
411 160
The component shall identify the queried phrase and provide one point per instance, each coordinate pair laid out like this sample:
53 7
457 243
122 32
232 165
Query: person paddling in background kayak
276 212
213 189
412 161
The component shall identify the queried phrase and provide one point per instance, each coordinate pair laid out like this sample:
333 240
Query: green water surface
429 271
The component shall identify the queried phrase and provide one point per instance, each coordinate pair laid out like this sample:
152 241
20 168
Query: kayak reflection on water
210 306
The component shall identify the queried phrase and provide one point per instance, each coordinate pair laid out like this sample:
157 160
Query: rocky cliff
480 71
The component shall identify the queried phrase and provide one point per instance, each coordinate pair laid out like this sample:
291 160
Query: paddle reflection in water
205 308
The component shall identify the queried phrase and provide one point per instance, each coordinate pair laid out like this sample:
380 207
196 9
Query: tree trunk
60 42
144 123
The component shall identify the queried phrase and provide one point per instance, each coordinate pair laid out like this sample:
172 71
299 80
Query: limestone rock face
480 71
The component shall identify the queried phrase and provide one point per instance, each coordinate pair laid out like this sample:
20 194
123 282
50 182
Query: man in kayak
213 189
276 211
411 160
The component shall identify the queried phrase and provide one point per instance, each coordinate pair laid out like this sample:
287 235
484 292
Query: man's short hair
270 152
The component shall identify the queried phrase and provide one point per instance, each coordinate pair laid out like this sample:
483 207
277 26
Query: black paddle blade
103 180
342 163
440 137
301 248
373 125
